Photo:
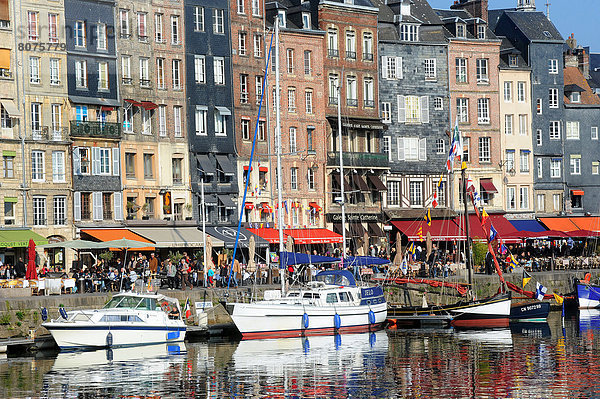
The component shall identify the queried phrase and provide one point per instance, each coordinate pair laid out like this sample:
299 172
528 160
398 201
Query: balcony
5 73
351 55
146 83
369 104
48 133
108 130
333 53
367 56
358 159
126 81
352 102
333 100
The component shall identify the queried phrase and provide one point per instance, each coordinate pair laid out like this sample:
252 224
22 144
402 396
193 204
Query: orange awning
577 192
117 234
315 206
266 208
4 58
587 223
249 205
263 169
559 224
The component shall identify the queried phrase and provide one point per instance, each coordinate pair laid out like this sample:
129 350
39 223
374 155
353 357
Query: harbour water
534 360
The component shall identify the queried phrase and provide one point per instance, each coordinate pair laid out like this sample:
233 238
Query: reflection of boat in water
589 319
340 351
529 329
495 337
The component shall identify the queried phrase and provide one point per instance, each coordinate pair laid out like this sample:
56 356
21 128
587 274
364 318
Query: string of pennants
287 205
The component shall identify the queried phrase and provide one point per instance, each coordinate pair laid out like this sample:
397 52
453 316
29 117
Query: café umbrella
31 273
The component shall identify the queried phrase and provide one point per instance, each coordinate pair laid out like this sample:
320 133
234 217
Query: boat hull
530 311
88 336
268 320
489 313
588 296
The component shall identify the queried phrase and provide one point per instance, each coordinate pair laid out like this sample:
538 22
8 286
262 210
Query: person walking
185 273
171 273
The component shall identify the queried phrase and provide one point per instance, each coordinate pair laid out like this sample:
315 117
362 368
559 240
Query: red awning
440 229
506 231
488 186
269 234
133 102
266 208
246 168
315 206
149 105
313 236
106 108
577 192
249 205
263 169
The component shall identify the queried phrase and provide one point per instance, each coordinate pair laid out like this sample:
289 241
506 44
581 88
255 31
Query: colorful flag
440 181
470 184
559 299
404 266
420 233
540 291
434 203
493 233
484 216
188 311
476 198
503 249
526 278
428 217
411 248
513 263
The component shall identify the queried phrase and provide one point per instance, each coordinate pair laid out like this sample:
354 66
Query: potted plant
132 209
145 209
188 208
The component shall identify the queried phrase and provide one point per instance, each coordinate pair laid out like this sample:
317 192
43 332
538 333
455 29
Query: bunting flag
456 147
434 203
526 278
404 266
503 249
513 263
493 233
470 184
476 198
440 181
411 248
420 233
428 217
484 217
540 291
559 299
188 311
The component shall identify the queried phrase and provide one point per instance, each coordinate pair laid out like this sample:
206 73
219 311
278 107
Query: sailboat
333 303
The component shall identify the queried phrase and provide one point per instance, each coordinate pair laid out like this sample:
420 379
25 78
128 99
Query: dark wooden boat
529 311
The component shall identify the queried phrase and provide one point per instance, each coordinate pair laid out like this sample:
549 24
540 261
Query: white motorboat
128 319
332 303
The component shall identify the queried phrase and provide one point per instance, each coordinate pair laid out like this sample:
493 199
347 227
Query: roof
362 3
574 77
506 50
451 17
534 25
421 13
594 61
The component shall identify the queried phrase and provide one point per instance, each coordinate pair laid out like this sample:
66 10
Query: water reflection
525 360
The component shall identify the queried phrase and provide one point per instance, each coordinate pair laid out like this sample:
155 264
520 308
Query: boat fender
371 317
306 345
372 339
305 321
44 313
109 355
63 313
109 340
337 321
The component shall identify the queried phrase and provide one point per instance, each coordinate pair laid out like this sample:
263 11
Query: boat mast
278 148
468 242
342 199
203 205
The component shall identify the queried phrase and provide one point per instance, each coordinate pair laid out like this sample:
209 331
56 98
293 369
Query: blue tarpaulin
527 225
364 261
296 258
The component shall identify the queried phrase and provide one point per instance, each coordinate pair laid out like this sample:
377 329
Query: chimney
572 42
477 8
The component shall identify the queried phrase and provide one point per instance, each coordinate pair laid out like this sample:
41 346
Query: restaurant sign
355 217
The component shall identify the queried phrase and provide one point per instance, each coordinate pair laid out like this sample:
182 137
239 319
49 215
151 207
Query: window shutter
399 68
400 149
424 109
97 203
401 109
95 161
76 162
422 149
77 206
384 74
115 159
118 205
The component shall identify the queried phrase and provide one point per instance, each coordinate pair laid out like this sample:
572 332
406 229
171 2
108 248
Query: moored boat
529 311
128 319
588 295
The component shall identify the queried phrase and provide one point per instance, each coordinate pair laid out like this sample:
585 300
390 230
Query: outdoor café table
53 286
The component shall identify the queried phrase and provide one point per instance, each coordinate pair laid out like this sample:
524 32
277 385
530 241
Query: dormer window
481 31
306 20
281 15
409 33
513 61
575 97
460 30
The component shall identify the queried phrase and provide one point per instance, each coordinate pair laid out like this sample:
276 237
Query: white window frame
175 34
39 211
430 69
103 81
540 168
483 111
34 70
59 207
393 193
521 92
386 112
594 133
199 19
54 71
554 130
201 119
508 124
485 155
524 161
482 71
462 109
220 123
293 139
293 178
523 125
538 137
553 98
177 122
219 70
160 73
162 120
555 168
38 166
101 36
575 164
58 167
308 100
159 28
507 92
218 21
553 66
572 130
511 201
461 65
176 77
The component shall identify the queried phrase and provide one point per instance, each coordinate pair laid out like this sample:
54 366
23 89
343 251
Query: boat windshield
130 302
333 279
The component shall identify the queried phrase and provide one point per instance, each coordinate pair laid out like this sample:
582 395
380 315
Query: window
245 129
332 43
36 121
466 149
430 70
240 7
148 166
409 33
54 71
60 211
256 7
556 201
576 201
103 76
158 28
521 92
175 29
58 166
39 211
481 31
8 166
461 70
104 160
79 32
261 130
81 113
176 169
462 109
128 119
540 168
594 132
294 178
386 112
160 73
333 89
243 88
53 28
511 202
538 106
218 26
37 166
507 92
258 45
508 124
482 70
176 74
34 70
386 147
293 146
350 45
367 46
416 193
149 207
351 91
412 149
310 130
484 150
595 167
9 211
310 178
368 93
413 109
572 130
308 98
510 161
201 118
258 87
483 110
554 130
101 36
199 69
5 121
438 103
393 194
126 69
177 121
553 66
575 97
523 125
220 123
575 164
391 68
242 48
219 70
524 161
130 165
538 137
291 99
124 17
460 30
553 98
146 121
306 20
513 61
289 60
541 202
199 19
144 74
555 166
32 26
440 146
